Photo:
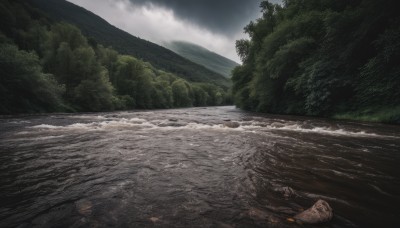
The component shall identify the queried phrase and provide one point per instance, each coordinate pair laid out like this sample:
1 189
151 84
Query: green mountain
47 66
202 56
108 35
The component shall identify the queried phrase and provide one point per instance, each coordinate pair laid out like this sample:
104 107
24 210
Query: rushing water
184 168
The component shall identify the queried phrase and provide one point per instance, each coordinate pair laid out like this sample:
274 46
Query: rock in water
257 214
84 207
320 212
154 219
231 124
288 192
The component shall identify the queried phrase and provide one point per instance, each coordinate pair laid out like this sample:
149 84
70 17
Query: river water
185 168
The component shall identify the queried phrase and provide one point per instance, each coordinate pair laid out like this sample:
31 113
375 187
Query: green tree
133 79
95 95
74 63
200 96
23 85
319 57
181 93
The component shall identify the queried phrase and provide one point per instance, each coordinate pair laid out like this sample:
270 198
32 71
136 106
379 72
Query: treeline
335 58
47 67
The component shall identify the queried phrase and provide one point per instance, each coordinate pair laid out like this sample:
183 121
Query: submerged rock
154 219
172 124
84 207
224 225
288 192
320 212
260 215
231 124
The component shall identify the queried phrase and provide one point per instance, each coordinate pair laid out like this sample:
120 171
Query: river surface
185 168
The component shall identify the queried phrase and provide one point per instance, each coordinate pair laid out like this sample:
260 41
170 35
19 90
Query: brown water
183 168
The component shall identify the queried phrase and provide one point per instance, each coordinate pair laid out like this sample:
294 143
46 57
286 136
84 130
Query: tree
94 95
181 93
23 85
319 57
74 63
200 96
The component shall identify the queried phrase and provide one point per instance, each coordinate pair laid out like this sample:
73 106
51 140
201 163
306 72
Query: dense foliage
108 35
322 57
46 66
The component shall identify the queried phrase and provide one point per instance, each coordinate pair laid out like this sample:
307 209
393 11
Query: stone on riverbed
320 212
154 219
84 207
288 192
260 215
231 124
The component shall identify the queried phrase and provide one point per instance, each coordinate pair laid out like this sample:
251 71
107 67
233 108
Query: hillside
202 56
46 66
125 43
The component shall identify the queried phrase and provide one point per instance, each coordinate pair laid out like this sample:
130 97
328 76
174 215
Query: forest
332 58
49 66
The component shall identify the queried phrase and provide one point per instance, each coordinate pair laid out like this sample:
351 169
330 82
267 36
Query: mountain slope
109 35
202 56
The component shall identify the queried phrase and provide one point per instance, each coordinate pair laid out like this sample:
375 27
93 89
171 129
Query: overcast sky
213 24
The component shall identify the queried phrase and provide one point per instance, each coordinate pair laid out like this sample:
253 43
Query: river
185 168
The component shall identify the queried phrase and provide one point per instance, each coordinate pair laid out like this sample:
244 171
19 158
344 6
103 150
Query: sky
213 24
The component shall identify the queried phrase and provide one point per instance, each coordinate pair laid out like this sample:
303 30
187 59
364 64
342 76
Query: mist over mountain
125 43
203 56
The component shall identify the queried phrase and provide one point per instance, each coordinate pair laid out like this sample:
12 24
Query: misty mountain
202 56
103 32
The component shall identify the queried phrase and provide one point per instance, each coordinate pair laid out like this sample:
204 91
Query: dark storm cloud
220 16
213 24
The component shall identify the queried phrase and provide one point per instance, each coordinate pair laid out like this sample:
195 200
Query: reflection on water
186 168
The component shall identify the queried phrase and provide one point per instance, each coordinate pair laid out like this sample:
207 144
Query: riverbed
186 168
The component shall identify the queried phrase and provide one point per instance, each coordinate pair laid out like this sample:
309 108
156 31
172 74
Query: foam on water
134 123
20 122
95 126
323 130
245 126
294 127
36 138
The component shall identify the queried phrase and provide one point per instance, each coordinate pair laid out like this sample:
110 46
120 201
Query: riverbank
385 115
373 115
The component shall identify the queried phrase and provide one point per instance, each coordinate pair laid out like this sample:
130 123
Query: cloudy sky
213 24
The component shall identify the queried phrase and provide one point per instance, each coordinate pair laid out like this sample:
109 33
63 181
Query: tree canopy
321 57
